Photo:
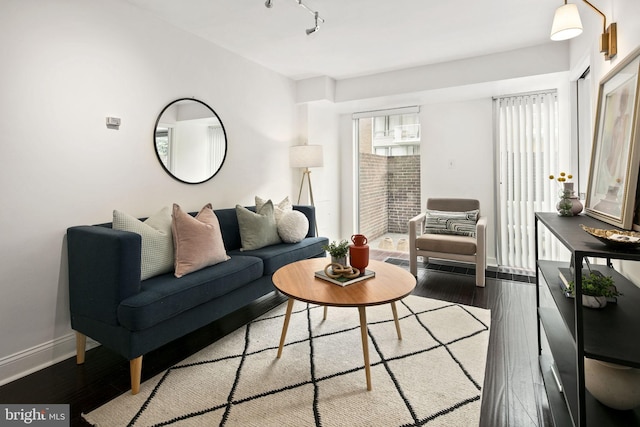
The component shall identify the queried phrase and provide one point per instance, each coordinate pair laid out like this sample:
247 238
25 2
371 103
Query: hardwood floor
513 393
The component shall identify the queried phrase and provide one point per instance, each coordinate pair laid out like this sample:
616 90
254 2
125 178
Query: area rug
433 376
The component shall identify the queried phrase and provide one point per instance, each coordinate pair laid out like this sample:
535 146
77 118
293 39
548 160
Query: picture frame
615 154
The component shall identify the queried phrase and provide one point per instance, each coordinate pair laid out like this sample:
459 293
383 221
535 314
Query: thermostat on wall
113 121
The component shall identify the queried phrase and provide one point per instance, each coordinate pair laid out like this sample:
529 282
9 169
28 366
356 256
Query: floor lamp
306 156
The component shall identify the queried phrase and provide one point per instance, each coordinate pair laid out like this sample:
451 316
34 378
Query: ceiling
359 37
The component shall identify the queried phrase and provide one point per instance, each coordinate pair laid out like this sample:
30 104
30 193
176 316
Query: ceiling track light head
268 3
316 27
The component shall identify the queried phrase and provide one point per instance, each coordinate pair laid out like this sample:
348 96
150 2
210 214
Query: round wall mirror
190 141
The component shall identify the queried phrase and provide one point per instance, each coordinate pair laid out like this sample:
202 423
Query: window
396 134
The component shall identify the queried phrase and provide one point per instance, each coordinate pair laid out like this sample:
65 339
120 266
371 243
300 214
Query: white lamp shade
305 156
566 23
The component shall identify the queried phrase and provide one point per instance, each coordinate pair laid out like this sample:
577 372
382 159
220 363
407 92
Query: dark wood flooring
513 393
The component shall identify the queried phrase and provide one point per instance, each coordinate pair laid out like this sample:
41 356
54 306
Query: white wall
547 58
68 64
457 156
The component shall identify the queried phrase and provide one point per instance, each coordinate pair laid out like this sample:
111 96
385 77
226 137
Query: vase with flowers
569 204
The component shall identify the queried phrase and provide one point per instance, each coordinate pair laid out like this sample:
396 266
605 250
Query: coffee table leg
285 326
365 344
324 316
395 319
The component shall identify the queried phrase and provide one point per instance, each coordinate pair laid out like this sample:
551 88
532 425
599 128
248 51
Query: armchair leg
480 276
81 346
135 368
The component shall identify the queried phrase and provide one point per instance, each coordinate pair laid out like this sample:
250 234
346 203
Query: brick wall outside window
404 191
389 193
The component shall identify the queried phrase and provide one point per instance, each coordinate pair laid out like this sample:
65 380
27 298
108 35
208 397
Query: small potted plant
596 288
338 251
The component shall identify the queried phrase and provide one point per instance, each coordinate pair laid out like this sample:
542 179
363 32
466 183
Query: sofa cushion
456 223
198 241
462 245
276 256
257 229
163 297
293 227
157 240
231 230
279 209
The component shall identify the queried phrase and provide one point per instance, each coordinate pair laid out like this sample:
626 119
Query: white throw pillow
293 227
456 223
279 209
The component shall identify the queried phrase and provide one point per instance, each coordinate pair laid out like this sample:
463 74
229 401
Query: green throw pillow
257 229
157 240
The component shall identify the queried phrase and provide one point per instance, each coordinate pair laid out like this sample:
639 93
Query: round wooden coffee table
390 284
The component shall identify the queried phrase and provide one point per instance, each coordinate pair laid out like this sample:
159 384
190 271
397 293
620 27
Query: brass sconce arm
609 36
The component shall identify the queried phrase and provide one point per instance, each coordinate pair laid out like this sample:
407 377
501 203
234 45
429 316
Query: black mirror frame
226 145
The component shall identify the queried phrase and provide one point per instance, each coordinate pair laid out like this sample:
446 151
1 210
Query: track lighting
316 27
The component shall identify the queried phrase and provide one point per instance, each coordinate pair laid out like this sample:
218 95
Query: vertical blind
527 133
217 147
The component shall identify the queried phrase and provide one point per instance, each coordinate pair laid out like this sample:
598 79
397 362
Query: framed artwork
615 155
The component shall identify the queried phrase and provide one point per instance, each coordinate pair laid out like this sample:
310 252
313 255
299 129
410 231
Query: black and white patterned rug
433 376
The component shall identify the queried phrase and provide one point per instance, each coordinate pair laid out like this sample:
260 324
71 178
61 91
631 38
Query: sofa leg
135 368
81 346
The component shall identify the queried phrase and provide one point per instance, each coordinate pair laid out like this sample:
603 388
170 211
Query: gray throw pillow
456 223
257 229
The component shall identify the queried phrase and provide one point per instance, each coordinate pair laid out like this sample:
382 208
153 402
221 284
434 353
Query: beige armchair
449 246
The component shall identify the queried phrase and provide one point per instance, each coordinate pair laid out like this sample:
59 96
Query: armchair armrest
416 227
481 237
104 269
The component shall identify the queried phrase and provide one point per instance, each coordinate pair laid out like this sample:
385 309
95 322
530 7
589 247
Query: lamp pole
307 173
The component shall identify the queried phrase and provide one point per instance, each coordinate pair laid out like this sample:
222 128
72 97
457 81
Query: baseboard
31 360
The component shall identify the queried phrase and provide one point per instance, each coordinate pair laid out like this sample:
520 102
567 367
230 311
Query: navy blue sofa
110 304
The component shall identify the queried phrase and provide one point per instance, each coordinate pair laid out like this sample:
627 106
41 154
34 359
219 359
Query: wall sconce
567 24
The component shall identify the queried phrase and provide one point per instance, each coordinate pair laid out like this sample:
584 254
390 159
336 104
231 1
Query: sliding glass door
387 148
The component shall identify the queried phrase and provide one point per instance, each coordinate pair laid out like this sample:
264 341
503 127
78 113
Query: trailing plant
337 250
597 285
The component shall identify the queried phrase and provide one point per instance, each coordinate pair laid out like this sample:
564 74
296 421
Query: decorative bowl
614 238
